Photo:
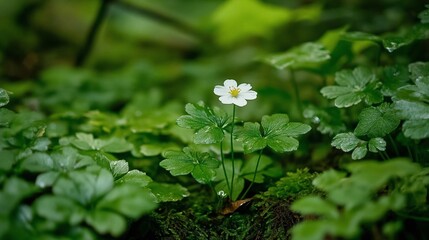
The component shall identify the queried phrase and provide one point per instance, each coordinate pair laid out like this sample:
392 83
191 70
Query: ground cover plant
237 119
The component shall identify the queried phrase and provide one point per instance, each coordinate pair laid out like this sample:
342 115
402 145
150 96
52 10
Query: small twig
89 41
167 19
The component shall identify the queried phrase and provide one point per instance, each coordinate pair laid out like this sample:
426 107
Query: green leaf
277 133
129 200
59 209
394 77
345 141
86 141
416 115
4 97
208 123
119 168
165 192
67 159
361 36
418 70
374 174
328 179
107 222
311 230
353 87
84 186
200 165
209 135
115 145
360 151
412 110
376 145
41 144
350 194
416 129
348 142
156 148
47 179
7 116
136 177
7 159
315 205
303 55
377 121
37 162
251 137
424 15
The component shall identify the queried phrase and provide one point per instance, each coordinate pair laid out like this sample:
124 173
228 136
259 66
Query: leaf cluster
363 195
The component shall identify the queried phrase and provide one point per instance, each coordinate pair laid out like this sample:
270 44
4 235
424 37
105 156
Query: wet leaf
165 192
277 133
4 97
353 87
200 165
377 121
301 56
208 123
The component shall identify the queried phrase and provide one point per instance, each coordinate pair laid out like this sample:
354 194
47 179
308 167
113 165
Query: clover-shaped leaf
348 142
277 133
353 87
85 186
300 56
394 77
377 121
411 102
200 165
208 123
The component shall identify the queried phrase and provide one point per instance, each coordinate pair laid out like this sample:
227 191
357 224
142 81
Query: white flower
230 93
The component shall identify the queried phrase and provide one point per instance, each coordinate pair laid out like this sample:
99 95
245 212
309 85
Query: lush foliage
114 123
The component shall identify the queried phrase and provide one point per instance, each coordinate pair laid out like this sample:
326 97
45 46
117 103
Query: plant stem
395 148
296 90
232 150
89 41
223 166
410 153
254 174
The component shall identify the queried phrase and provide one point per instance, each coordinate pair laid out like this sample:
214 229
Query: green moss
267 216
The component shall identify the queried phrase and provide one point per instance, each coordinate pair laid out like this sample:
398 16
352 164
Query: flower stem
232 150
223 166
254 174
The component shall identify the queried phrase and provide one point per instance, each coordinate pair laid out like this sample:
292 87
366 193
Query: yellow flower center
234 91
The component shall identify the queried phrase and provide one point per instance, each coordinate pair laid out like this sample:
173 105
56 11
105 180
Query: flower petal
230 83
221 90
227 99
250 95
241 102
244 87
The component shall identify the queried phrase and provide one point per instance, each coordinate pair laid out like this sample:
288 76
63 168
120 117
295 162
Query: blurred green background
177 51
